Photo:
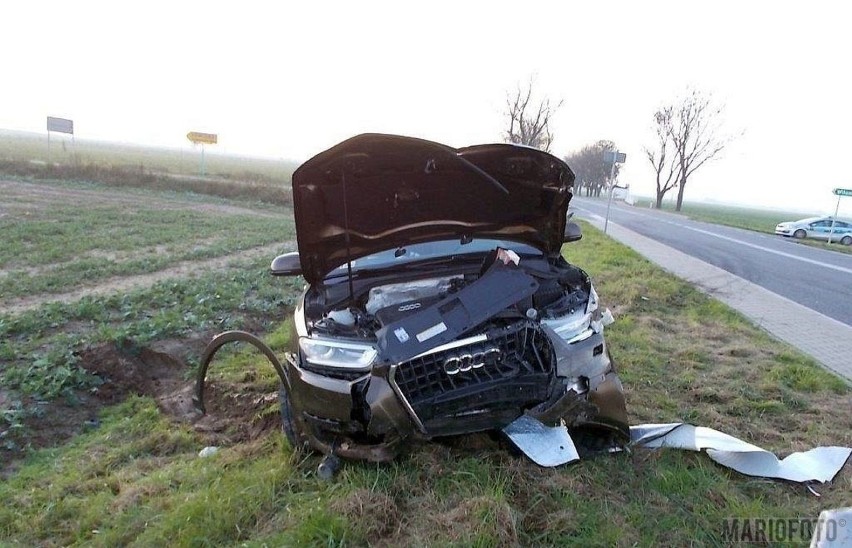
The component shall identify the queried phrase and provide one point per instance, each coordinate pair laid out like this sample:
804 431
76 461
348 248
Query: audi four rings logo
407 307
465 362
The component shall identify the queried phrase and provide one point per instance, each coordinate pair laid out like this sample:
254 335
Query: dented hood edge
401 190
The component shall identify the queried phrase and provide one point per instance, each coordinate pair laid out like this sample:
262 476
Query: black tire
288 422
846 240
800 234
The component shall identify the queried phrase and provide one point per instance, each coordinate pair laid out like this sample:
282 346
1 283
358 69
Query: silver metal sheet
819 464
552 446
545 445
834 529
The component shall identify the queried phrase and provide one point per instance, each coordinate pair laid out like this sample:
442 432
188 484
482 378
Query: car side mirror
573 232
287 264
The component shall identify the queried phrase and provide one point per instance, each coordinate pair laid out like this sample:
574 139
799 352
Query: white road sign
60 125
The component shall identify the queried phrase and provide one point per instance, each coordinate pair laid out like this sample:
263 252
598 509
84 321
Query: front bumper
369 417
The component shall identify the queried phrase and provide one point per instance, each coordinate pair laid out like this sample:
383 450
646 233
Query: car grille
518 376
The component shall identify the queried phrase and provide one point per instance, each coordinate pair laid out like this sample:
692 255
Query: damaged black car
437 301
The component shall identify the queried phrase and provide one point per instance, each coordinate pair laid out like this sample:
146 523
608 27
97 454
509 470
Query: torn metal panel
834 529
500 287
819 464
547 446
552 446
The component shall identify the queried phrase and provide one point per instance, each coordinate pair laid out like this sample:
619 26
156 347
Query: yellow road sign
204 138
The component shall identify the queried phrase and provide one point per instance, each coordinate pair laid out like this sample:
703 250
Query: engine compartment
377 302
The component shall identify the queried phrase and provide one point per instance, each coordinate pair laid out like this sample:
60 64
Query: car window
820 224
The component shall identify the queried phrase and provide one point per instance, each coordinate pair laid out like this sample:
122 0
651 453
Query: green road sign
843 191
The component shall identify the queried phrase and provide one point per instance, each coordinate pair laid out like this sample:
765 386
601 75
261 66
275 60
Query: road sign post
203 139
840 193
614 157
61 125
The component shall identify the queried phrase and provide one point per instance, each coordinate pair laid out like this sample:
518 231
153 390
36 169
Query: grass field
75 234
126 469
23 156
23 146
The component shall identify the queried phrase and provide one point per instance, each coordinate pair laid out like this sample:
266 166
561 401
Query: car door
841 229
819 229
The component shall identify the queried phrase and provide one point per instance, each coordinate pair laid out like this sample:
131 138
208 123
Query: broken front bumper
368 416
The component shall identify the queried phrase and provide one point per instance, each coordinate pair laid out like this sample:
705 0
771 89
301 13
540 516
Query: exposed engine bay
466 351
561 290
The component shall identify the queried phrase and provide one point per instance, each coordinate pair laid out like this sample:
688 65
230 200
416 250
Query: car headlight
337 353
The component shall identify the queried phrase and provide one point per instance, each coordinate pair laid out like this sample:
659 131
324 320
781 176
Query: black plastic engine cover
396 312
500 287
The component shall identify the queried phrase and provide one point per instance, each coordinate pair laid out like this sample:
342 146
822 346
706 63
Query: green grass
24 155
41 346
64 236
51 246
27 147
682 356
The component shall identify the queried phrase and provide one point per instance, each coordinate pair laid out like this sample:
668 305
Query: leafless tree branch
529 124
692 129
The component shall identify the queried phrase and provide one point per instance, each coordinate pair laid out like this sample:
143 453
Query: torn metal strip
818 464
552 446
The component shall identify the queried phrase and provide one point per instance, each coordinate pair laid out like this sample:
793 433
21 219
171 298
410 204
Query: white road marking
740 242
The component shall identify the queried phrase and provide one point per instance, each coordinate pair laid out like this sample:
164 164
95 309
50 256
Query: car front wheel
800 234
288 422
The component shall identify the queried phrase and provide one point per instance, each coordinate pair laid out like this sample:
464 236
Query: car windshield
433 250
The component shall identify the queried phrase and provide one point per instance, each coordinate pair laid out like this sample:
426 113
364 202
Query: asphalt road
818 279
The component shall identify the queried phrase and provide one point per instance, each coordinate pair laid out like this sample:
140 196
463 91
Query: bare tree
661 157
691 128
529 122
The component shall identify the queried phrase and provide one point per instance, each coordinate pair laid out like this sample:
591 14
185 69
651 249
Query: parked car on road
818 228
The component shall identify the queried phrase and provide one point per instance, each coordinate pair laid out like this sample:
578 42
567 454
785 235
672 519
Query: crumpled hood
400 190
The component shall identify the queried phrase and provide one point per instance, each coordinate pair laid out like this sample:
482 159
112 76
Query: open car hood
387 191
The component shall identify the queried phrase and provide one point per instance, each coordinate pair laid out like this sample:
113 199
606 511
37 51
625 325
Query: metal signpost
60 125
840 193
202 139
613 157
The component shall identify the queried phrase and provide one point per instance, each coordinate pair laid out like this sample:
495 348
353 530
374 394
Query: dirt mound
236 412
126 369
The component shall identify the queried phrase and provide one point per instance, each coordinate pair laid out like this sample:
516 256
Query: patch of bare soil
235 412
118 284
